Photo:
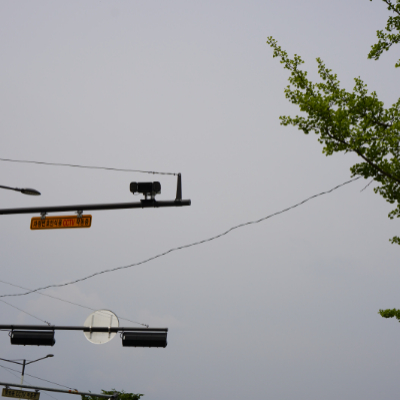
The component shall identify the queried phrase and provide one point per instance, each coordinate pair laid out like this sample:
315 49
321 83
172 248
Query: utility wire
186 245
86 166
366 185
3 301
36 377
47 394
10 371
65 301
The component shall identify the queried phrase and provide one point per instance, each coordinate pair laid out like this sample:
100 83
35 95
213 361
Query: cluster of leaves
121 395
346 121
390 313
391 36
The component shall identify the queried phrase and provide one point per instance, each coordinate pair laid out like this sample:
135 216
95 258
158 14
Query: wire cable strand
26 312
65 301
2 366
47 394
366 185
86 167
36 377
186 245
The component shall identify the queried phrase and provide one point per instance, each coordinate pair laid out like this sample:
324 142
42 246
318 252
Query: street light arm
9 188
30 362
15 362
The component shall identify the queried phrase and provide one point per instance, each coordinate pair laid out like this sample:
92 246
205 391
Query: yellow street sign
61 222
20 394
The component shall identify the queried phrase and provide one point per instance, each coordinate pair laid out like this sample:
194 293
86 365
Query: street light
24 363
29 191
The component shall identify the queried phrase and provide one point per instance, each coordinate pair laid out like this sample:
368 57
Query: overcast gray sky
286 309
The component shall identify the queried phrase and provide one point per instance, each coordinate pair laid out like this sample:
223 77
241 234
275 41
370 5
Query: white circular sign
101 318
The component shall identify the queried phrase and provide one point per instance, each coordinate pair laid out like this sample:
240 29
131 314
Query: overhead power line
26 312
186 245
86 166
36 377
6 368
63 300
367 185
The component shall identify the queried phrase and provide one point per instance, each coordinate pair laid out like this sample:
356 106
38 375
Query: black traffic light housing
32 338
144 339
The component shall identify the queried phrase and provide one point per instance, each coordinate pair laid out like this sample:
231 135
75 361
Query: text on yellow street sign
61 222
20 394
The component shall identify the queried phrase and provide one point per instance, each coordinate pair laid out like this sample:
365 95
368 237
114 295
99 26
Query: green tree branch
352 121
388 39
390 313
346 122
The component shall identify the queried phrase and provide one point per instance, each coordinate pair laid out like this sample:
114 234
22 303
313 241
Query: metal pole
96 207
105 396
23 372
81 328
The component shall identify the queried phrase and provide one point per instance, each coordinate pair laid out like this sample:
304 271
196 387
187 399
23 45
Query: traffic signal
32 338
144 339
146 188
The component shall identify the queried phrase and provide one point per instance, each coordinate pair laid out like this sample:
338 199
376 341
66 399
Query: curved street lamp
29 191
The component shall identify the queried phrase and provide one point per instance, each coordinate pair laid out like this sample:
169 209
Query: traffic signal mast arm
150 189
105 396
81 328
96 207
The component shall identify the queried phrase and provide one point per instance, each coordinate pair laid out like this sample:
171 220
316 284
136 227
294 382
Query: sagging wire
26 312
186 245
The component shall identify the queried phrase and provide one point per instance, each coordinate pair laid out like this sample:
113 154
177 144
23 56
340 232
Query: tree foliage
350 121
121 395
392 34
390 313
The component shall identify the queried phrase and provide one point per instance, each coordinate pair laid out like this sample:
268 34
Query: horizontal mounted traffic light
144 339
32 338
